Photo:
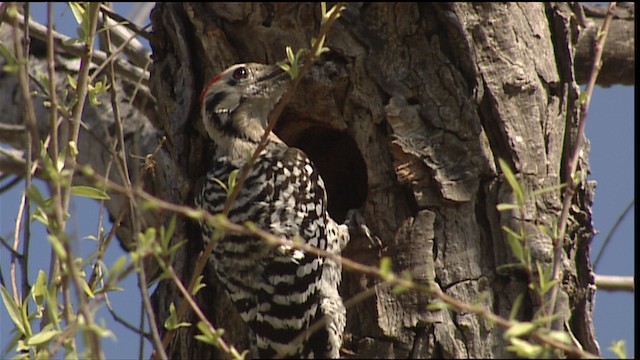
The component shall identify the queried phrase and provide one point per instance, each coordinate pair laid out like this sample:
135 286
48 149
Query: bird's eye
240 73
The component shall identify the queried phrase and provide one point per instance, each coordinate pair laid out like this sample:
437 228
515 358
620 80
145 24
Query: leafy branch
220 222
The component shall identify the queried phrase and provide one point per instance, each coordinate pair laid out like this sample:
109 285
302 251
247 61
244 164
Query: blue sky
610 129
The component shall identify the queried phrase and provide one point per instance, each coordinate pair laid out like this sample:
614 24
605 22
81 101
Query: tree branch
615 283
618 57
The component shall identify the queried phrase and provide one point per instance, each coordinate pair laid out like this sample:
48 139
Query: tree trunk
406 117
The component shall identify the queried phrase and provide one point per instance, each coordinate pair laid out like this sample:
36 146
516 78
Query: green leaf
60 160
13 309
171 227
582 98
25 317
506 207
11 69
47 164
175 247
548 189
52 307
503 268
284 66
199 285
327 14
93 99
544 277
73 148
207 336
86 288
89 192
7 54
71 353
292 68
57 246
223 185
72 82
513 182
39 291
619 348
515 244
78 11
289 52
236 355
520 329
543 321
118 265
42 337
524 348
321 47
561 336
36 196
439 305
22 346
44 79
385 269
399 289
172 321
547 231
41 216
232 179
102 332
516 306
82 18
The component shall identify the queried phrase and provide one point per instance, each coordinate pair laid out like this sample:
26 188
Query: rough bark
406 117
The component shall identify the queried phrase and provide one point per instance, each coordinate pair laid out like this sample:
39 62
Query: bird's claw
356 223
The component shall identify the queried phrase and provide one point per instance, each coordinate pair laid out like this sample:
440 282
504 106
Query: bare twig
615 283
611 232
10 132
60 208
6 187
124 321
124 34
53 148
33 142
573 160
229 227
121 166
65 45
9 247
155 336
125 22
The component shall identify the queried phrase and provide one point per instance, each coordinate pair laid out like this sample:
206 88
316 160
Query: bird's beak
275 74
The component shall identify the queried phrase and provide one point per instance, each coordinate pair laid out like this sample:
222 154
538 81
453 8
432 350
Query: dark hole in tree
337 158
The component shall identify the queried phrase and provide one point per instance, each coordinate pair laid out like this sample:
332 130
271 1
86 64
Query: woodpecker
280 292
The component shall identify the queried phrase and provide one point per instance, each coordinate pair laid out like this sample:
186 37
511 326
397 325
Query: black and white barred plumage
279 292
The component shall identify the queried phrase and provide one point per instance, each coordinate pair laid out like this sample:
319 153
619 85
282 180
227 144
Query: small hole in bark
338 159
413 101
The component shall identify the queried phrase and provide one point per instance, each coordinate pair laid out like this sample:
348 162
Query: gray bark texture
405 117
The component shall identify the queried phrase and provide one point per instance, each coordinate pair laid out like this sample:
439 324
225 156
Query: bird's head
235 105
